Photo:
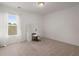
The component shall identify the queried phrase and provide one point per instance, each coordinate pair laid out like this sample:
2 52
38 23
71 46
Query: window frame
11 25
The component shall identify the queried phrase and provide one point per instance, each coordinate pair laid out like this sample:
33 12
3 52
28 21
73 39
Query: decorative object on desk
35 30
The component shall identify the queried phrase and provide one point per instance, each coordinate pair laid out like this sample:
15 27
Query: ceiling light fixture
41 4
18 7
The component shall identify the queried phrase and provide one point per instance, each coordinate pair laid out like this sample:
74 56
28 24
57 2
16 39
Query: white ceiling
48 8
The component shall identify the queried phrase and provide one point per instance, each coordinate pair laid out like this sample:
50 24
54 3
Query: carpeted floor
45 47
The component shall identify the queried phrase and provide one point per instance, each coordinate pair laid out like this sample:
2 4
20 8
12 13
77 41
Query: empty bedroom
39 28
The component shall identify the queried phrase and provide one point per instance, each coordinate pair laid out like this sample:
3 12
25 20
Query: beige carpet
45 47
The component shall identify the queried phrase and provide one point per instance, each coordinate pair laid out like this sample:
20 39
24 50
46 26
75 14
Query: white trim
17 24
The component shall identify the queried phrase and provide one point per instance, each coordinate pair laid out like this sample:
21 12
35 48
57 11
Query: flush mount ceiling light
40 4
18 7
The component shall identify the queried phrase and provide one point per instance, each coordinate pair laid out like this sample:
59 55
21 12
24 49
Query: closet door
29 32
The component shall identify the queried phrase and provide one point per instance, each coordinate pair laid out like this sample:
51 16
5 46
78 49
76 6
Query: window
12 25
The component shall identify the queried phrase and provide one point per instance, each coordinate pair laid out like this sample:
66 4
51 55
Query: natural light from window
12 26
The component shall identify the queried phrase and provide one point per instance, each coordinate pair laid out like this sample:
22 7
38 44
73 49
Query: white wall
26 18
63 26
32 20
